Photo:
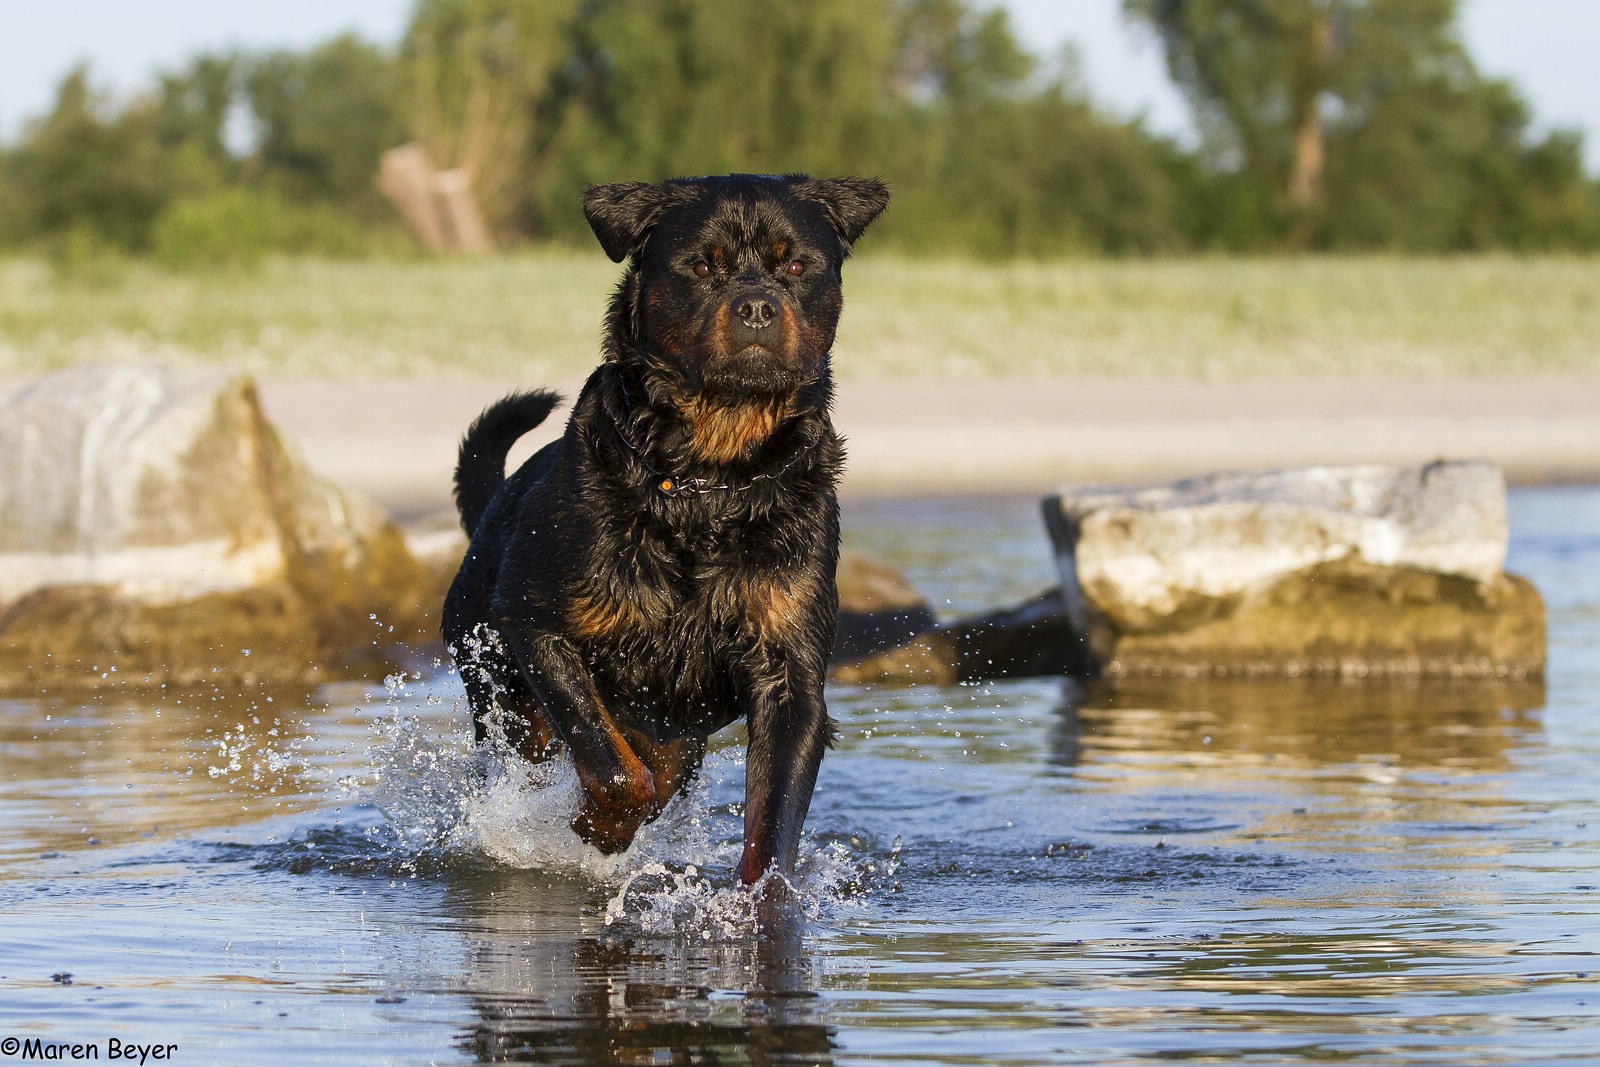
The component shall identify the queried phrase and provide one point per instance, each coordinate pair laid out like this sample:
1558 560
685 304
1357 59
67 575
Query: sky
1545 46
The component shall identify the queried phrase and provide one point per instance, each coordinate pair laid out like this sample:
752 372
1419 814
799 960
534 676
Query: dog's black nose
755 310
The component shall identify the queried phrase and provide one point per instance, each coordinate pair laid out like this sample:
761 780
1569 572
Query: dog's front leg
789 732
619 792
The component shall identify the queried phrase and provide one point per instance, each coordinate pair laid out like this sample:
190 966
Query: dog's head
733 283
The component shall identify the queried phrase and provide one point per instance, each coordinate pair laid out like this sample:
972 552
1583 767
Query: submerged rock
155 528
1034 639
1312 571
878 608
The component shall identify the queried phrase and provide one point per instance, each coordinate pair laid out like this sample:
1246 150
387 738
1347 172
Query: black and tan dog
667 566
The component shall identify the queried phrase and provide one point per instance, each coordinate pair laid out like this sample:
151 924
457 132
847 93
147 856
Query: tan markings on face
718 331
791 332
722 433
719 256
780 250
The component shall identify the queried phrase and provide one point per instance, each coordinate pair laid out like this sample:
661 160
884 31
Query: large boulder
1317 570
154 529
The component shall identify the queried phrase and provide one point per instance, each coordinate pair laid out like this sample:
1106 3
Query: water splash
259 756
445 797
449 801
688 903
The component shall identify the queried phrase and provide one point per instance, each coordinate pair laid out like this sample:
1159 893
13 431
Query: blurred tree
949 52
1425 154
702 86
984 155
193 106
88 167
1547 202
1258 75
1009 158
1325 124
1360 123
676 87
323 118
481 85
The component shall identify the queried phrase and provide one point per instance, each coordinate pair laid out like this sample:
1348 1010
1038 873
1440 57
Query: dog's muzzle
756 320
759 350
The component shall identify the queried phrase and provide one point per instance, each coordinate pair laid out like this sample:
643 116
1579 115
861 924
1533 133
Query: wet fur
606 609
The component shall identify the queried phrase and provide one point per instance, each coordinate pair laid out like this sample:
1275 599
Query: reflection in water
1424 725
550 985
113 769
1353 767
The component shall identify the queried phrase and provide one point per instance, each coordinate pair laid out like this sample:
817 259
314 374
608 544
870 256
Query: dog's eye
702 269
797 268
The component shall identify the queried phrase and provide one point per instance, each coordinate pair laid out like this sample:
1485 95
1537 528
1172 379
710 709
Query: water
1014 873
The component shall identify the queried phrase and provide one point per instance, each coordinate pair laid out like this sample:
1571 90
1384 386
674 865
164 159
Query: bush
82 255
333 233
232 229
236 229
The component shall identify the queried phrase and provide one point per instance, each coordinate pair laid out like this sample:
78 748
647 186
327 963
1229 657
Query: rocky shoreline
157 529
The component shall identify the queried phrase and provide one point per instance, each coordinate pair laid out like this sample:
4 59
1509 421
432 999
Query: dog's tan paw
608 833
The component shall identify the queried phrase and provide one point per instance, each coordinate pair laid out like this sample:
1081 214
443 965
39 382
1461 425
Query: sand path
396 439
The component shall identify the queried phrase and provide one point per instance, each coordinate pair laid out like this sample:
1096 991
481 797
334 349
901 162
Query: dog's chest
681 583
663 616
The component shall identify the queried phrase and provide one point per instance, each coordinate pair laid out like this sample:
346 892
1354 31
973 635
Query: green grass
538 316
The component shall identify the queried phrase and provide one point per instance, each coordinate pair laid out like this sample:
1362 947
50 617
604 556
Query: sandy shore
396 439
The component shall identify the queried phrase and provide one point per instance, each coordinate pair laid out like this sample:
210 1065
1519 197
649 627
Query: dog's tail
481 465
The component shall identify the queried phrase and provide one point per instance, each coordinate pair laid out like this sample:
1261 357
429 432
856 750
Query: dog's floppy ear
851 203
622 214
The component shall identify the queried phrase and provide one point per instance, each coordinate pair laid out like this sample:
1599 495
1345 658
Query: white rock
1141 556
161 483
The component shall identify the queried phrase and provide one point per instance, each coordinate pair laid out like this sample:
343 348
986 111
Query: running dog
666 567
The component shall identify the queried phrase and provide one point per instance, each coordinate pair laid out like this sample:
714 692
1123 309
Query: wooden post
406 177
458 213
437 205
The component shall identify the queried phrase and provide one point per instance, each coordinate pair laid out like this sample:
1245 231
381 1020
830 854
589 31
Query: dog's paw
752 865
608 819
608 832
